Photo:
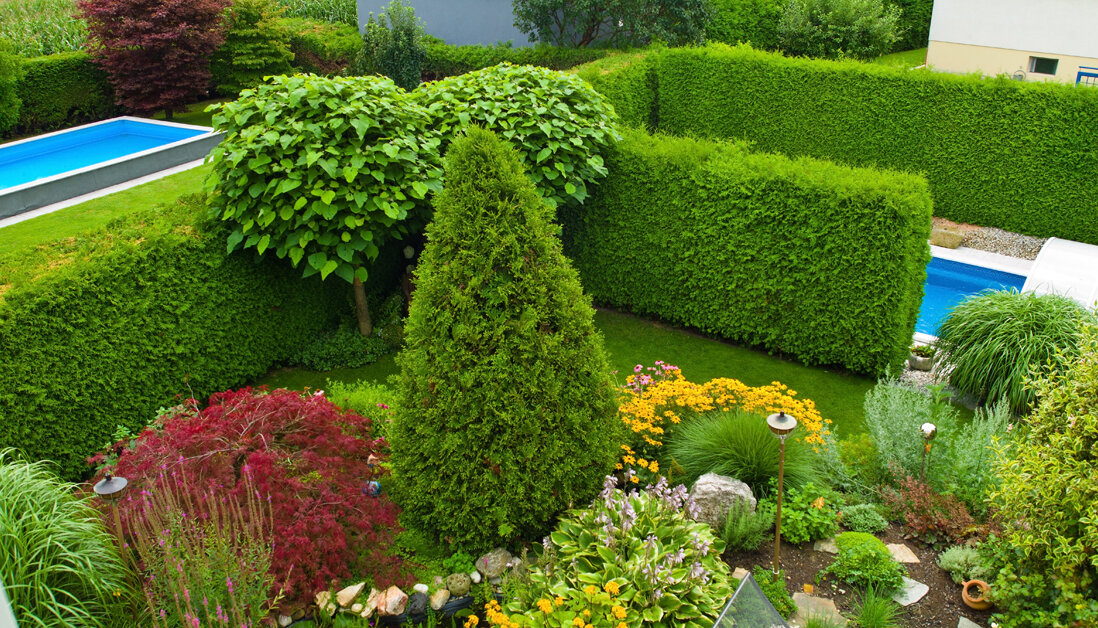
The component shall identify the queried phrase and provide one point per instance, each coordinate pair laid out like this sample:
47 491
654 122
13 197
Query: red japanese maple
155 52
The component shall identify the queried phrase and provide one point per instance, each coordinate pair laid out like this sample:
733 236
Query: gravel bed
1004 242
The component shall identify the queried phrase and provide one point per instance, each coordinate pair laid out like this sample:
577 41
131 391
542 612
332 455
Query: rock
740 573
821 608
947 238
439 582
421 588
371 604
475 576
964 622
392 602
439 599
493 563
298 614
716 494
902 553
417 604
826 545
347 596
324 602
495 581
285 620
357 607
516 565
458 584
911 592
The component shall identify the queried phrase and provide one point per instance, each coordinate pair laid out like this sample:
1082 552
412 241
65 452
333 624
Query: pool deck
1066 267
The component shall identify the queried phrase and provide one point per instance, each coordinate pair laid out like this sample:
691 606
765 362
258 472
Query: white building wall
1056 27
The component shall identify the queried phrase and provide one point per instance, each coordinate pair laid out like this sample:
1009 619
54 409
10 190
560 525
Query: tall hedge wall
629 82
63 90
102 329
1020 156
811 259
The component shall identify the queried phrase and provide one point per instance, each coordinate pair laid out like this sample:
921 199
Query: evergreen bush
393 45
321 47
256 45
9 96
506 409
61 90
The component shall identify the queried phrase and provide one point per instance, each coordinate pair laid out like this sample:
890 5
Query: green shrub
10 72
808 513
830 29
914 25
445 60
738 444
342 12
629 82
997 152
990 342
745 529
343 348
746 21
103 329
320 47
1048 575
864 561
773 586
59 564
964 563
613 23
863 518
874 610
559 125
256 45
968 470
62 90
894 416
506 409
820 262
393 45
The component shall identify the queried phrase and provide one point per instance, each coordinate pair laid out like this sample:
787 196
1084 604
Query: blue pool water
948 283
43 157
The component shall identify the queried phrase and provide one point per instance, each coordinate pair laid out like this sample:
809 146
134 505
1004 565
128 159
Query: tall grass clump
332 11
993 340
58 562
739 444
41 27
875 610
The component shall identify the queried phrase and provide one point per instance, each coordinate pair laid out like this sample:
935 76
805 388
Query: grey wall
459 22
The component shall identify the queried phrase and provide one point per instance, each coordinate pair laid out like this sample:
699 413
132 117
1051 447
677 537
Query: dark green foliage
101 330
833 29
629 82
745 528
393 45
811 259
738 444
863 518
865 562
613 23
914 24
746 21
63 90
9 96
997 152
993 341
445 60
773 586
256 45
320 47
343 348
506 409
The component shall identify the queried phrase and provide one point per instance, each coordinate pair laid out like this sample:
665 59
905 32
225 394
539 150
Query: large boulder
716 494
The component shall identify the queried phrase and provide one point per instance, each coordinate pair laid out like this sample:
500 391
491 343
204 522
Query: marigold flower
545 605
618 611
611 588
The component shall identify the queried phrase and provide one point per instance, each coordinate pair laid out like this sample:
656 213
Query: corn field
41 27
334 11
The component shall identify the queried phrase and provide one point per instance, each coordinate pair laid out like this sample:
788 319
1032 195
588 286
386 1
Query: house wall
962 58
459 22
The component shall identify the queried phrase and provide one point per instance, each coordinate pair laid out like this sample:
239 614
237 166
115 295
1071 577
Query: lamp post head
110 487
929 431
781 423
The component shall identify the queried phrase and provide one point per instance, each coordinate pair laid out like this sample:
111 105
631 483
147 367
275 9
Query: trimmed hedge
102 329
803 257
63 90
1020 156
445 60
9 95
320 47
629 82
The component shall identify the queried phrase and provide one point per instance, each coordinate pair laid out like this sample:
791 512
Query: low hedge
1019 156
63 90
798 256
445 60
100 330
321 47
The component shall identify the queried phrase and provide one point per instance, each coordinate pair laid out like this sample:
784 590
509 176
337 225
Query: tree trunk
362 311
168 113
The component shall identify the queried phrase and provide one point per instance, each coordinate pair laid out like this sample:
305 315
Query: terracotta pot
974 594
919 363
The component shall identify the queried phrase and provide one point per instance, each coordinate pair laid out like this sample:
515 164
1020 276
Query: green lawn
631 340
97 212
905 59
193 114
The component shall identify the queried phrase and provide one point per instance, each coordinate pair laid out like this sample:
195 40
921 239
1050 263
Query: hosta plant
637 551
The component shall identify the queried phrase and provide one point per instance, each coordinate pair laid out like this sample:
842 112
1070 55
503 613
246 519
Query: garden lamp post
929 432
781 424
110 489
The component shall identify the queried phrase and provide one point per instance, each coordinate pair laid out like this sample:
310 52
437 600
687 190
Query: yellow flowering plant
561 605
656 399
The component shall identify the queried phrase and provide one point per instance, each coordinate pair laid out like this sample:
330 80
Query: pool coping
57 188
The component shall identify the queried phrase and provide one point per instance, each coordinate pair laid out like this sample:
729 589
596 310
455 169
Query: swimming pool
50 168
949 282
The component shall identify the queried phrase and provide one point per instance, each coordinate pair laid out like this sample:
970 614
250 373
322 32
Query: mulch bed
940 608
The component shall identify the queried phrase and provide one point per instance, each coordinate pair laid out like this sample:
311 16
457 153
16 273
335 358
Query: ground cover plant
58 561
501 360
35 28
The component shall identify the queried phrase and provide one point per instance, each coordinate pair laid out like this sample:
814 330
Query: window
1043 65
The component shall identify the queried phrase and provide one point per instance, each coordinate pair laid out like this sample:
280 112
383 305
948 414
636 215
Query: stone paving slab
902 553
818 607
911 592
826 545
964 622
